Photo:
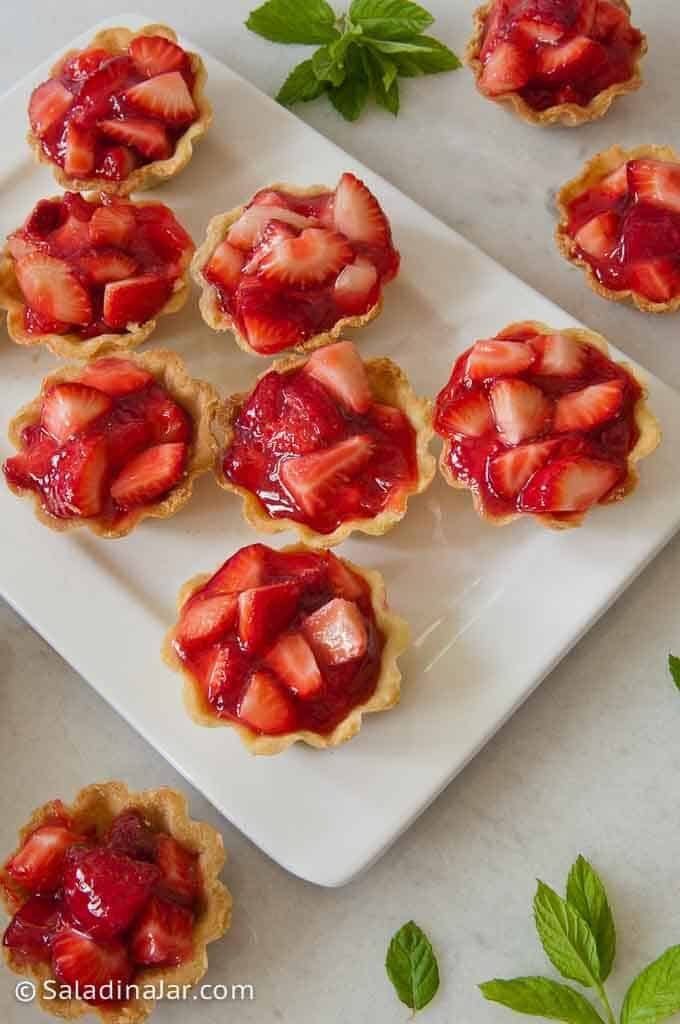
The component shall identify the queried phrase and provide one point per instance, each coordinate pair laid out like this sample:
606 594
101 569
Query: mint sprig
579 938
674 669
412 966
361 53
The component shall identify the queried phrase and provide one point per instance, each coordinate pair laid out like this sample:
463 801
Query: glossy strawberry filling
291 267
105 445
91 268
538 424
627 228
102 115
97 905
557 51
281 641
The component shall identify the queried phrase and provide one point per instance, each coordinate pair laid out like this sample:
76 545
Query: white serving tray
492 611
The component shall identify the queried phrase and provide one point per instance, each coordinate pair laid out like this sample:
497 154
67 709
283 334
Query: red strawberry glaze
291 414
86 929
554 441
106 263
300 650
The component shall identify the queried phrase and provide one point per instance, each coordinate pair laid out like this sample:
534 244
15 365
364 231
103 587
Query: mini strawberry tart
90 275
556 61
620 222
287 646
111 443
121 115
112 897
327 444
543 423
295 266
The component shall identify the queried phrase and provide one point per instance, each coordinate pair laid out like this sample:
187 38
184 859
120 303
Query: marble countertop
590 764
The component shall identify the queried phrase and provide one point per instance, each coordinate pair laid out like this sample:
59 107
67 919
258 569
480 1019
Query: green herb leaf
327 67
432 60
566 937
301 85
382 77
541 997
390 19
412 966
586 894
655 993
349 99
674 668
294 21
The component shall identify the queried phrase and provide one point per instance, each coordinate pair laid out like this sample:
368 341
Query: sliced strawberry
243 571
32 928
163 934
79 477
305 567
337 632
154 55
149 475
106 265
47 105
179 870
495 24
104 891
521 410
507 69
148 137
615 184
341 371
78 960
268 334
354 289
165 96
610 21
312 258
98 88
509 472
31 465
587 408
205 618
70 407
70 237
469 415
265 707
569 485
39 864
222 670
85 63
293 661
113 224
264 611
167 420
78 150
558 355
135 300
600 235
497 358
249 229
536 31
343 580
130 834
115 163
225 266
656 182
311 478
566 62
19 246
357 213
276 231
656 280
127 433
115 376
51 288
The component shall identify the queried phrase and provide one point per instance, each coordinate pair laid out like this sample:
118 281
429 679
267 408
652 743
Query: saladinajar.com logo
116 992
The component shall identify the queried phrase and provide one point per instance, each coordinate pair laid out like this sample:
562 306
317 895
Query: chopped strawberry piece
600 235
469 415
571 60
179 870
127 433
71 237
307 567
343 581
569 485
205 618
249 229
558 355
312 258
78 150
154 55
507 69
587 408
104 891
616 183
106 265
656 280
85 63
293 661
496 358
263 612
167 420
136 299
131 835
610 21
310 479
337 632
78 960
51 288
115 163
32 928
165 96
48 104
39 864
521 410
535 31
76 486
222 670
115 376
149 475
149 137
224 266
357 213
98 88
243 571
268 334
355 288
70 407
19 246
113 224
32 465
655 182
265 707
509 472
340 369
495 25
163 934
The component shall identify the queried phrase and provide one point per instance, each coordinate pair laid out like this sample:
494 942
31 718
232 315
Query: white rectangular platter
491 611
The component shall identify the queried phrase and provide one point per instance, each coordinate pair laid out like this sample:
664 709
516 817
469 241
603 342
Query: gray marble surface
590 764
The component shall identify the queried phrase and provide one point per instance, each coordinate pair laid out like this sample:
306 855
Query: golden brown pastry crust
594 170
386 694
209 302
389 386
117 41
167 811
196 397
569 114
647 424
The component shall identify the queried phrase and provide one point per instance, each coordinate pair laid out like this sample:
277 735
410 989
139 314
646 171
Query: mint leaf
294 21
433 59
586 894
541 997
327 67
382 76
567 940
349 99
301 85
412 966
398 45
390 19
674 668
655 993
